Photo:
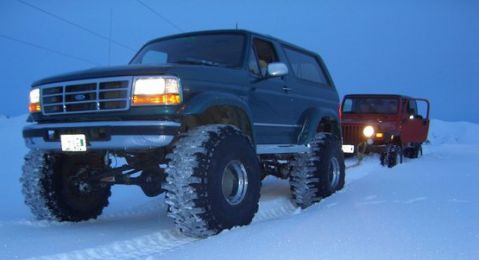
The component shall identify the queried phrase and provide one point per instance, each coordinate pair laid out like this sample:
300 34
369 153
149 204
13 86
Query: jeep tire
55 186
392 156
413 152
319 172
212 180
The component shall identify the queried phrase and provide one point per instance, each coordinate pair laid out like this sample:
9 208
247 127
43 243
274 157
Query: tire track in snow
162 241
135 248
274 204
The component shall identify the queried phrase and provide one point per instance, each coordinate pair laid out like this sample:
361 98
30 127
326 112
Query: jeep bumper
364 147
104 135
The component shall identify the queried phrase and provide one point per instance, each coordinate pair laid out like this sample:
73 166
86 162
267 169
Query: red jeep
392 125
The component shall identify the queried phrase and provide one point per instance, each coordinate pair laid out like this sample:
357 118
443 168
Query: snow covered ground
423 209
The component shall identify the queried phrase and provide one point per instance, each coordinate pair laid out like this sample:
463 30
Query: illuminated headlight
368 131
34 105
156 91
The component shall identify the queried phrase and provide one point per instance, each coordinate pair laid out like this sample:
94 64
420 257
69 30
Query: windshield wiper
199 62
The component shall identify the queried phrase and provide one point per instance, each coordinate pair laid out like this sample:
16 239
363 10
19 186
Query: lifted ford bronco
391 125
202 116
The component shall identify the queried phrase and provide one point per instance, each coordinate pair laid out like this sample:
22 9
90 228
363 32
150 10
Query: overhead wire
160 15
48 49
81 27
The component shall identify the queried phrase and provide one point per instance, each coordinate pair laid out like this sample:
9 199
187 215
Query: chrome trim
96 91
277 69
334 172
117 142
102 124
234 182
276 125
84 92
281 148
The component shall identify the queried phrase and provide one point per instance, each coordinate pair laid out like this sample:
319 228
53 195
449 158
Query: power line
160 15
48 49
75 25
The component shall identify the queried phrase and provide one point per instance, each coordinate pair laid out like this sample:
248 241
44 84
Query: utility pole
109 36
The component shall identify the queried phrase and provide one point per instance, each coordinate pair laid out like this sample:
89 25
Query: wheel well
329 125
229 115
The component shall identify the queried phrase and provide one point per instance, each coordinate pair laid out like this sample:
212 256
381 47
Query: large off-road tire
319 172
392 156
54 187
413 152
212 180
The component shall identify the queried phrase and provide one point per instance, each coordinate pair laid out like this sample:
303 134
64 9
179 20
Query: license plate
347 148
73 143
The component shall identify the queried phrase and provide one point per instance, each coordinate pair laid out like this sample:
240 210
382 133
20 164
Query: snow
426 208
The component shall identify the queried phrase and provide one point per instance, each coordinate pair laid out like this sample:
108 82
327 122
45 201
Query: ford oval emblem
80 97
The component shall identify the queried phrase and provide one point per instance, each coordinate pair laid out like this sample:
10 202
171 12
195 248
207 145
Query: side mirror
277 69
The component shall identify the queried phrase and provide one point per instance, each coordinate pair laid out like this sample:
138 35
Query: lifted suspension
150 180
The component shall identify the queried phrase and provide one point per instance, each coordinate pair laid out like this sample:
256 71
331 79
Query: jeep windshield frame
205 49
370 105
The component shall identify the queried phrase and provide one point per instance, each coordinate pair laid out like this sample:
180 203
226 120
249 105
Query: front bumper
104 135
364 147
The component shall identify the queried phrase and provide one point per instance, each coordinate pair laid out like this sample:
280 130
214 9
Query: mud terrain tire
53 188
212 180
392 156
318 173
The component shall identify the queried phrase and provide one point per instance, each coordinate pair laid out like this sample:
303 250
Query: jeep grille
352 134
86 96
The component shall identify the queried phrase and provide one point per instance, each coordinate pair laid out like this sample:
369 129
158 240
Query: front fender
205 100
201 102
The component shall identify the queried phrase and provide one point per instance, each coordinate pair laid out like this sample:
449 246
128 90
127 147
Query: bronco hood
103 72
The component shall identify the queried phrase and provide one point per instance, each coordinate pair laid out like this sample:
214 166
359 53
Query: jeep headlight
161 90
34 104
368 131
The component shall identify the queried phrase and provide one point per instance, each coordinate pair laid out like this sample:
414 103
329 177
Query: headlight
156 91
34 105
368 131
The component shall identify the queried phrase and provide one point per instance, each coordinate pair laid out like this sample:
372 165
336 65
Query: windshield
368 105
223 50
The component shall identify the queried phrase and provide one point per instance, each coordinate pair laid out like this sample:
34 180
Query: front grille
352 134
86 96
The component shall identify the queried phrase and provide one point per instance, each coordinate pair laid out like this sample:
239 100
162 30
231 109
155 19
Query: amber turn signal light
164 99
379 135
34 107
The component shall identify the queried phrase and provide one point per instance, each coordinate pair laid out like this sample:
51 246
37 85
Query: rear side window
305 66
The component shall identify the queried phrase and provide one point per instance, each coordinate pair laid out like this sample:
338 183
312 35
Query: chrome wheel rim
334 172
234 182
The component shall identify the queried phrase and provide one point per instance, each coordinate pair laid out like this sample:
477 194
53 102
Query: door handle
286 89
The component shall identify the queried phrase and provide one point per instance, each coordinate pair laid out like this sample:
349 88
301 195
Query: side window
266 54
305 66
412 107
405 107
253 63
348 106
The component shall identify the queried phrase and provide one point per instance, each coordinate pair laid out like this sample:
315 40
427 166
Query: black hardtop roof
378 96
230 31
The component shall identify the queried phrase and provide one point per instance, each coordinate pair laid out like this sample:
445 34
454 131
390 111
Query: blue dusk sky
422 48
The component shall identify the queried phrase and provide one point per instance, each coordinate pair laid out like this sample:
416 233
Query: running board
281 148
